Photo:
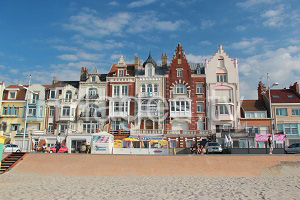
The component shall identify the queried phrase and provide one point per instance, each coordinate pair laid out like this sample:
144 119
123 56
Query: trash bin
2 139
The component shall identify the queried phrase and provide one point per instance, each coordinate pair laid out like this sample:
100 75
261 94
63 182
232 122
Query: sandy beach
271 181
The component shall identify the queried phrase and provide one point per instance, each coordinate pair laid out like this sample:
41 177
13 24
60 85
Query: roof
253 105
150 60
284 96
113 69
159 70
20 94
64 83
94 70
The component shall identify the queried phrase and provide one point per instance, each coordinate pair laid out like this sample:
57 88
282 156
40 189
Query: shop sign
264 137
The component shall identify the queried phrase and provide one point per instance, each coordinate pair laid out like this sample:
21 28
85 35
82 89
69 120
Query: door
180 125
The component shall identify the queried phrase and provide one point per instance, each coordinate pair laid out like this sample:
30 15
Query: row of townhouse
178 101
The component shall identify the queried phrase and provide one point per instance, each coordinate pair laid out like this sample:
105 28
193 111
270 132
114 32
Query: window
290 129
149 88
296 112
149 105
255 115
120 106
179 73
221 78
32 111
281 112
68 94
143 88
63 127
125 90
119 125
290 96
116 90
180 107
15 127
51 113
93 78
5 111
200 107
90 126
199 88
93 92
12 95
66 111
155 88
223 109
50 128
180 89
14 111
52 94
150 70
121 72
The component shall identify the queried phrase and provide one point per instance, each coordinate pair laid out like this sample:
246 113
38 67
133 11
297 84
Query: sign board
264 137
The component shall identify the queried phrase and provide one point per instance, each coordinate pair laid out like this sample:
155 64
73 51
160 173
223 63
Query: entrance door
180 125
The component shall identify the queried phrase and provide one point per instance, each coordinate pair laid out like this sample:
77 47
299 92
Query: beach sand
275 178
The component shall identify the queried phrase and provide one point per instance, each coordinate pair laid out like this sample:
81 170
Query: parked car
293 148
213 147
11 148
63 149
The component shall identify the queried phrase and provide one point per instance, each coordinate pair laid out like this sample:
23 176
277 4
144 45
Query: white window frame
50 127
222 78
119 73
52 92
124 89
143 88
180 89
12 92
179 72
199 88
66 111
51 111
32 111
202 106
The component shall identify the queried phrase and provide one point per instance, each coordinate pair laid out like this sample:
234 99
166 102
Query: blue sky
57 38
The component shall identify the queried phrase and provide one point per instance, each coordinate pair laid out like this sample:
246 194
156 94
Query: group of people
197 149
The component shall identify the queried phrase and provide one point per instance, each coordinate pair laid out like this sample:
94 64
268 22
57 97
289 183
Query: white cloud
240 28
68 57
207 24
115 56
14 71
274 18
97 45
251 3
65 48
113 3
248 45
205 42
140 3
282 64
196 59
80 55
89 24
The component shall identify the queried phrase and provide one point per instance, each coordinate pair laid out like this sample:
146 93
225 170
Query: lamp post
270 105
26 111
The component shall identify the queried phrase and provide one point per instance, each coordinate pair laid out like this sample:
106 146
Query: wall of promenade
95 165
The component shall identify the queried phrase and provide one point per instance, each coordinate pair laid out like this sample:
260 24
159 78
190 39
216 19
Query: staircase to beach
11 160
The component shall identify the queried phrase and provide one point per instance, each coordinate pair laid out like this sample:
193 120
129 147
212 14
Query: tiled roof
253 105
113 69
284 96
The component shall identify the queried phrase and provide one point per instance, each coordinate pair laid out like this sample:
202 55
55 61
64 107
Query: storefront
78 143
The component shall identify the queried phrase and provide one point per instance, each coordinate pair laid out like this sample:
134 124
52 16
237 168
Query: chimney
54 80
295 87
84 74
164 60
260 89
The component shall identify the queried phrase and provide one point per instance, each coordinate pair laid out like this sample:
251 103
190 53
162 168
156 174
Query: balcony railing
180 114
148 94
147 132
90 114
189 132
120 132
148 113
91 96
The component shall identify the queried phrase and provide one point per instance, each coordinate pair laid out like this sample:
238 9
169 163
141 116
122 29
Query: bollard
2 139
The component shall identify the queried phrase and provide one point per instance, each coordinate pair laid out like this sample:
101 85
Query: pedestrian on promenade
58 140
270 144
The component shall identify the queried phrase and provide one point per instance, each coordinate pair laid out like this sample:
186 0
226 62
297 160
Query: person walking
58 140
270 144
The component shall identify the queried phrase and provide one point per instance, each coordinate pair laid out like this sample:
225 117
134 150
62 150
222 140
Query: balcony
119 132
90 114
148 113
91 96
147 132
200 133
66 118
176 114
224 117
148 94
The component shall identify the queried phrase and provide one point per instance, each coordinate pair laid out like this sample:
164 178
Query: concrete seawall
96 165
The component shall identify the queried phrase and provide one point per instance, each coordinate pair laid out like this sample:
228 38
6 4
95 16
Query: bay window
66 111
180 108
120 106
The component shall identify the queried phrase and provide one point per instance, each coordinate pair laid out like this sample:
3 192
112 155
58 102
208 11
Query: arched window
180 89
155 88
69 94
149 88
221 62
143 88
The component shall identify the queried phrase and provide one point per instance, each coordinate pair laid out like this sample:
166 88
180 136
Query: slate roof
150 60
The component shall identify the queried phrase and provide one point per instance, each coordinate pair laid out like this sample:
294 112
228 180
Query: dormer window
68 94
93 78
121 72
12 95
179 72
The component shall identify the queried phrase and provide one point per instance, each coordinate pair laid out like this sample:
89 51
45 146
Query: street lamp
270 105
26 111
